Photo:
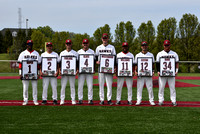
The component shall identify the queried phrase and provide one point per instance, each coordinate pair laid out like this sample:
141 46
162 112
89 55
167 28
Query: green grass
4 56
97 119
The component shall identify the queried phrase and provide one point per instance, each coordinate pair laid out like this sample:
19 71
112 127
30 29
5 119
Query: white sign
107 63
29 70
125 66
49 66
167 66
68 65
86 63
145 66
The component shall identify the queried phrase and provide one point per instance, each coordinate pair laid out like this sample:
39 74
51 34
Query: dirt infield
96 103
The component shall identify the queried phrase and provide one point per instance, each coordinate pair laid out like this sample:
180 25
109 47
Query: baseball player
142 80
107 49
87 77
30 55
53 80
167 53
68 52
120 80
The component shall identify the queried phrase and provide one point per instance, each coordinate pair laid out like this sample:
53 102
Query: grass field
98 119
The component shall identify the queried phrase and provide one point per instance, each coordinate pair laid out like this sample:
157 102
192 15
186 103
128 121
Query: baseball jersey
52 54
123 55
70 53
167 54
107 50
89 51
26 55
148 54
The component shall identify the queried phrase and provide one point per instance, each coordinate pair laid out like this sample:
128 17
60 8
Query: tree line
183 35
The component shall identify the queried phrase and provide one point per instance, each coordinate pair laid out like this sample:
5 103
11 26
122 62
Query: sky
85 16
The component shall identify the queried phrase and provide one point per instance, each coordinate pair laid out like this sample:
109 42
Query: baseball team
69 64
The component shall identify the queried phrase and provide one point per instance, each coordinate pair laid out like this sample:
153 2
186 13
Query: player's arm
135 69
177 67
20 70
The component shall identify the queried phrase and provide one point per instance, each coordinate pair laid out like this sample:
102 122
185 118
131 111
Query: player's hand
56 74
77 72
176 73
158 73
98 62
136 73
153 73
20 77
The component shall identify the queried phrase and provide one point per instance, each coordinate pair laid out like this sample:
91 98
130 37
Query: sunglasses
49 45
68 43
30 44
166 45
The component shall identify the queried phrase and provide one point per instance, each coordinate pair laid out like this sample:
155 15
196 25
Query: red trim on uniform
125 53
30 51
20 65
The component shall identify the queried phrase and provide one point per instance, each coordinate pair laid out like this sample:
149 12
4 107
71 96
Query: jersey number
144 66
29 68
49 67
125 66
107 63
68 64
167 66
86 62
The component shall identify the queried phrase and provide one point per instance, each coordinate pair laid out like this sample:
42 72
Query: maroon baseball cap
85 41
68 41
29 41
49 43
124 44
144 43
166 42
105 36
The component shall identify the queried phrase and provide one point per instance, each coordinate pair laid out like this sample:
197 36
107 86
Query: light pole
26 27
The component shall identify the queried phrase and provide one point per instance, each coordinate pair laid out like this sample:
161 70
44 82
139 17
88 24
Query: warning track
96 103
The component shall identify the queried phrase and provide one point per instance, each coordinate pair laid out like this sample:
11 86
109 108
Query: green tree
77 40
38 41
1 43
8 41
188 34
47 31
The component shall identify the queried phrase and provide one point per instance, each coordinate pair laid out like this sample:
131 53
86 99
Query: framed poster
49 66
145 66
107 64
167 66
68 65
29 70
86 63
125 66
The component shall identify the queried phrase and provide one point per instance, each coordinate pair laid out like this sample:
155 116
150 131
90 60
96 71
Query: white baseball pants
171 83
53 81
64 80
140 86
109 81
129 84
25 89
81 81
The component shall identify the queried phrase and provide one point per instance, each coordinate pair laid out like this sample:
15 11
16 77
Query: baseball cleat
90 102
174 104
101 103
62 102
130 103
80 102
138 103
25 103
55 102
110 102
36 103
152 103
44 102
160 103
118 103
73 102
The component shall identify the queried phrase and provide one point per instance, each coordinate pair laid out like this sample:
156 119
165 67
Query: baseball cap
166 42
85 41
124 44
105 36
144 43
68 41
49 44
29 42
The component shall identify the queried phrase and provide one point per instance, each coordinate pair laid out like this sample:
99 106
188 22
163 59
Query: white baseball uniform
87 77
120 80
71 79
52 80
170 80
26 55
142 80
108 50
